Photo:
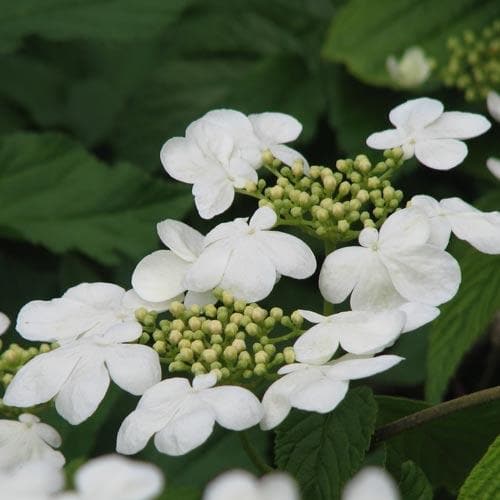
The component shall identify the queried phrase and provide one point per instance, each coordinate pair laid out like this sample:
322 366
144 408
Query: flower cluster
412 70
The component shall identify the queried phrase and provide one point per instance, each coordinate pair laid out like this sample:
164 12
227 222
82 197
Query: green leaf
364 33
463 320
324 451
56 194
413 484
180 493
445 449
483 483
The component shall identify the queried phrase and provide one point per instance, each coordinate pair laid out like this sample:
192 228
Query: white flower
371 483
182 417
493 165
493 103
480 229
112 477
33 481
247 259
356 332
318 388
160 275
392 267
242 485
4 323
411 70
28 440
423 129
78 373
84 310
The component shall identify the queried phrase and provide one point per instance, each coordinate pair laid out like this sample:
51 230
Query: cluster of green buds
235 340
474 64
332 204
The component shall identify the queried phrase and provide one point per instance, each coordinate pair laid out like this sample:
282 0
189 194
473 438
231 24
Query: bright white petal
102 296
159 276
350 367
275 128
416 113
493 103
240 172
391 138
131 302
312 317
417 315
318 344
493 165
182 239
456 125
4 323
213 140
206 381
372 483
288 156
231 120
441 154
439 224
279 486
263 218
213 195
127 331
227 231
48 434
231 485
405 228
199 298
321 395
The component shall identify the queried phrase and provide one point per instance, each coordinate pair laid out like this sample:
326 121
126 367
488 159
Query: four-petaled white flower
160 275
480 229
493 165
28 440
391 267
423 129
78 373
36 480
247 259
84 310
4 323
112 477
411 70
238 484
493 103
318 388
182 417
357 332
371 483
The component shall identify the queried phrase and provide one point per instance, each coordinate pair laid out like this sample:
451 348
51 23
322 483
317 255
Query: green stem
433 413
256 195
288 336
327 306
253 455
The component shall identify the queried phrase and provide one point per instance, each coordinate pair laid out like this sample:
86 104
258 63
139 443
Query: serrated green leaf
364 33
483 483
413 485
56 194
463 320
324 451
445 449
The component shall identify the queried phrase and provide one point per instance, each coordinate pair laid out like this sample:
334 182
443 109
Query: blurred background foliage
89 91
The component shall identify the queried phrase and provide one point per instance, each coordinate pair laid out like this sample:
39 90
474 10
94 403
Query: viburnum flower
28 440
480 229
4 323
391 267
357 332
78 373
238 484
493 103
182 417
371 483
318 388
247 259
36 480
84 310
113 477
493 165
423 129
160 275
411 70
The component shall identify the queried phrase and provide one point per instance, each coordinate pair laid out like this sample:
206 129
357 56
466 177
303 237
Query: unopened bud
344 188
197 346
230 353
252 329
209 355
259 314
160 346
261 357
176 308
289 355
186 354
297 318
174 337
198 369
343 226
178 324
338 210
276 313
260 369
267 157
298 168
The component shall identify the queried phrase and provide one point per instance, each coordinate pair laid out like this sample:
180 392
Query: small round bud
297 318
209 355
176 308
261 357
225 372
373 183
140 314
267 157
230 353
210 311
252 329
315 171
269 323
259 314
197 346
276 193
298 168
158 335
303 199
330 183
378 212
178 366
216 339
160 346
236 318
178 324
342 166
186 354
215 327
270 349
198 369
174 337
296 212
217 348
354 204
276 313
338 210
289 355
260 369
7 378
164 325
363 196
248 374
369 223
230 330
227 298
356 177
194 323
239 306
44 348
239 345
257 347
344 188
322 214
388 193
343 226
144 338
184 343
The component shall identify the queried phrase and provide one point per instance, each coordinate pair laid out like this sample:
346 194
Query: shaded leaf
413 485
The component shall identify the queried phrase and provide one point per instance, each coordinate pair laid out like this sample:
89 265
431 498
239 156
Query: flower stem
253 455
434 412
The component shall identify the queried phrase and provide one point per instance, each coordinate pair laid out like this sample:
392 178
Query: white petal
368 237
263 218
456 125
131 302
440 154
312 317
182 239
134 368
48 434
159 276
340 273
35 480
275 128
279 486
41 378
493 165
416 113
321 395
206 381
231 485
183 160
289 156
99 295
417 315
371 483
290 255
440 226
4 323
424 274
122 332
199 298
240 172
85 388
405 228
231 120
213 140
227 231
318 344
493 103
213 195
391 138
351 367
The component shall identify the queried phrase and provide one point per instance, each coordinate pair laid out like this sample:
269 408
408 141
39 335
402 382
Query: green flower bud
239 306
297 318
230 353
270 349
363 196
184 343
269 323
176 308
144 338
344 188
140 314
198 335
194 323
250 187
343 226
174 337
352 216
354 204
379 203
356 177
7 379
315 171
283 182
267 157
198 369
375 195
305 182
364 215
338 210
236 318
259 314
342 166
303 199
215 366
164 325
338 177
261 357
178 324
195 310
160 346
296 212
244 360
187 334
298 168
215 327
329 183
252 329
369 223
227 299
322 215
197 346
230 330
276 313
378 212
276 193
245 320
289 355
209 355
257 346
321 231
216 339
239 345
178 366
44 348
260 369
210 311
373 183
248 374
264 339
186 354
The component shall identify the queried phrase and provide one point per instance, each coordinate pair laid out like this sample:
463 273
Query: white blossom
247 259
423 129
78 373
4 323
480 229
357 332
493 103
84 310
391 267
113 477
28 440
160 275
182 417
371 483
411 70
238 484
318 388
493 165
